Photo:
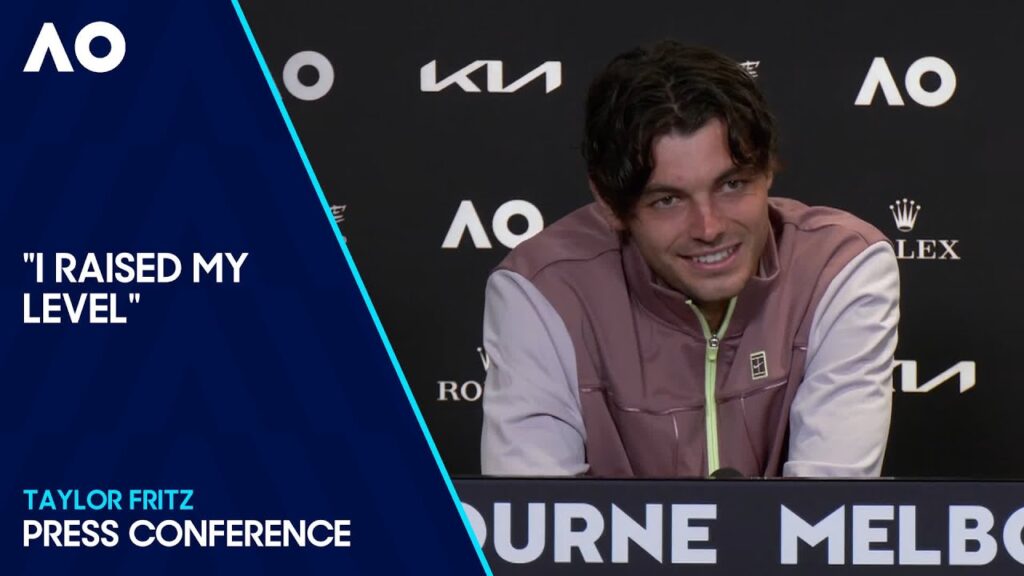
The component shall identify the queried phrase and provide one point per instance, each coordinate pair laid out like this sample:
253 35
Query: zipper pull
713 341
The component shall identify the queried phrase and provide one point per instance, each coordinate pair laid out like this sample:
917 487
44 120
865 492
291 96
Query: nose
706 225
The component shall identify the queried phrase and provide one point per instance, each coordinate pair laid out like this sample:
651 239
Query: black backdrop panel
401 151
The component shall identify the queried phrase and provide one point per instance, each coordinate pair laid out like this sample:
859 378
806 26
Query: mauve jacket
596 367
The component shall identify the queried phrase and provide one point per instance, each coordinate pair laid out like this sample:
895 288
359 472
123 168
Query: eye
734 185
666 201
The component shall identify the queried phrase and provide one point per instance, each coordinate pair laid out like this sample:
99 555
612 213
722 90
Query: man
684 322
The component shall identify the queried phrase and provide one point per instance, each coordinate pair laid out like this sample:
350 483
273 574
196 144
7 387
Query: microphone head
727 473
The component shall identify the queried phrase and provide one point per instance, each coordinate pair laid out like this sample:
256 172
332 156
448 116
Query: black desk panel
747 527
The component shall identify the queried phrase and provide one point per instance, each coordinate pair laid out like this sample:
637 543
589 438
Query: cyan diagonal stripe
359 283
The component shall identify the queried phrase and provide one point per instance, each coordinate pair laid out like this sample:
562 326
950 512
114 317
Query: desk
747 527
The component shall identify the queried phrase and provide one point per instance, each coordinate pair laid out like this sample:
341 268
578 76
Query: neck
714 313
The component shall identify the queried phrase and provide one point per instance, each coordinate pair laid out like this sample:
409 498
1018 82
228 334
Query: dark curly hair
661 88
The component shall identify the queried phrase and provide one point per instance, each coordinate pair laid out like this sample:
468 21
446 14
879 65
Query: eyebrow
726 175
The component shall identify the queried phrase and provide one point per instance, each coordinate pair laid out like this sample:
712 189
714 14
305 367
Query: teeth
715 257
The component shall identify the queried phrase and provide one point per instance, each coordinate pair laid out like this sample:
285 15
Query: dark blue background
273 398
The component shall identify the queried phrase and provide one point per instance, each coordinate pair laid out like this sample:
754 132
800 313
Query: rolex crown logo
905 213
338 211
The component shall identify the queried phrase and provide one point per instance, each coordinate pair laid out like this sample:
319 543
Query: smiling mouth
714 258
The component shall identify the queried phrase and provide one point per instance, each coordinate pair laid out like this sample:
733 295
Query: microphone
726 474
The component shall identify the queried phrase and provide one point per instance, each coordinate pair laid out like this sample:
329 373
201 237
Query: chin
718 293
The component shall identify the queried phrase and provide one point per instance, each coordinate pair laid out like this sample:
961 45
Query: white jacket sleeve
839 420
533 425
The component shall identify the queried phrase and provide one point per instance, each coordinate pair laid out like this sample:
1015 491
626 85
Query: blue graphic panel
271 397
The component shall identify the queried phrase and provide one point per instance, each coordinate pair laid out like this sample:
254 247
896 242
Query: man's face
701 222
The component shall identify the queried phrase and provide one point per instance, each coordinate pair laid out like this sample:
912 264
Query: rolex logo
905 213
338 211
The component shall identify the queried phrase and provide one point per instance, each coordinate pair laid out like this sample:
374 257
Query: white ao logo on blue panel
48 43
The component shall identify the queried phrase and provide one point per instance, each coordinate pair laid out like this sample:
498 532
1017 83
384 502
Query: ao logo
48 42
315 60
466 219
880 76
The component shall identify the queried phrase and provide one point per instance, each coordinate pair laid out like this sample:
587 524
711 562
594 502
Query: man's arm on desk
533 425
839 420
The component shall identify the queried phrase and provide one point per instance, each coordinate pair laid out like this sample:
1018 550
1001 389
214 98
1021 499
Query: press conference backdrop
445 133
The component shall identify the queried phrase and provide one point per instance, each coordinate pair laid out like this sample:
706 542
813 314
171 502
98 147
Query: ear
768 177
606 211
